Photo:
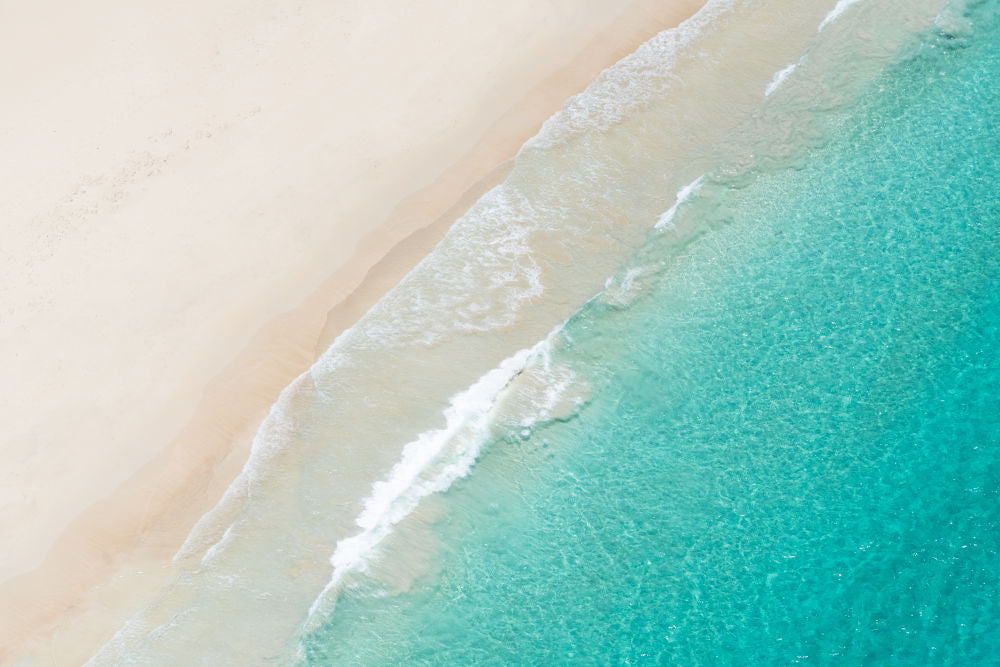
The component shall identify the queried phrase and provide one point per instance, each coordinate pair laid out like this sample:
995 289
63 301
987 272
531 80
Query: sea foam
630 83
779 78
835 13
437 458
666 220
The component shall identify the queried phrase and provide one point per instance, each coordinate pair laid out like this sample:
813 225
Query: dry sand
197 198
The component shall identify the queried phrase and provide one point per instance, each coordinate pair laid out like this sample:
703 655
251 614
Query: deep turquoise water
792 448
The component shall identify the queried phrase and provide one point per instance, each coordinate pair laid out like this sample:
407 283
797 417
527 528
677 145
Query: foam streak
429 464
667 219
835 13
779 78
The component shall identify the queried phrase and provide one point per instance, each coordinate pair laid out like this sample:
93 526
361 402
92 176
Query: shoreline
97 571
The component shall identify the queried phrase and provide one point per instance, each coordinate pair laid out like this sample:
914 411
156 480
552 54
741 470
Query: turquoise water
791 451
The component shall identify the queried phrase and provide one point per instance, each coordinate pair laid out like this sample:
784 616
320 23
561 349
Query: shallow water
771 434
790 445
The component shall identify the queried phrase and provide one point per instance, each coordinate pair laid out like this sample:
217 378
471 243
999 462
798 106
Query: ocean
710 378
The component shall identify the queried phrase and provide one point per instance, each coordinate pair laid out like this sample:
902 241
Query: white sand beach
197 198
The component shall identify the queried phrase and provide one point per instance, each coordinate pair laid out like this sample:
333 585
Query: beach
500 333
199 200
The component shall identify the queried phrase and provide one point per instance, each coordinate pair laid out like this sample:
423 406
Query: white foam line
779 78
631 82
835 12
467 420
685 193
